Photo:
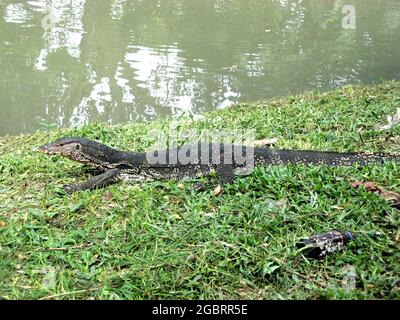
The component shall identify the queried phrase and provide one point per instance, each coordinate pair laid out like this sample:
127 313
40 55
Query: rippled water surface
69 62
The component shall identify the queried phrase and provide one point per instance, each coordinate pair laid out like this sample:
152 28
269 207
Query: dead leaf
369 186
2 224
21 256
108 196
265 142
181 186
217 191
176 216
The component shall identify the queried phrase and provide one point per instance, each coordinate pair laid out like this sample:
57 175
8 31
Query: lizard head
81 150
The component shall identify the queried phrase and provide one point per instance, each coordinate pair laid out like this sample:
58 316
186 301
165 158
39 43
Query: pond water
70 62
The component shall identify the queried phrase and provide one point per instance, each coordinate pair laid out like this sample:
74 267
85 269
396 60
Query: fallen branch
392 197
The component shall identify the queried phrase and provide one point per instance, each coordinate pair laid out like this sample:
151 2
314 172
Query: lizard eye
77 146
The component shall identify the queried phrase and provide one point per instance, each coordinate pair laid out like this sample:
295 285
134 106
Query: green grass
159 240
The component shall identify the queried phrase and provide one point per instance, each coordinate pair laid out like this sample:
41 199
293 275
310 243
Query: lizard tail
269 156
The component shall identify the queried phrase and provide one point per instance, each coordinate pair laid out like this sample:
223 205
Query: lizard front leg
102 180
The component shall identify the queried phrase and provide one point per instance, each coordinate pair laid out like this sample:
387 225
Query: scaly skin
190 161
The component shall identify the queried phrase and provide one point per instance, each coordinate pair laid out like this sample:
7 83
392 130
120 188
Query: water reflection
17 13
63 28
73 61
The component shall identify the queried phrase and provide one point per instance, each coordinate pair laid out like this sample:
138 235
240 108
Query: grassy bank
161 240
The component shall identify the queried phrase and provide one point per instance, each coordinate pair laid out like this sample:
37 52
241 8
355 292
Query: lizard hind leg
100 181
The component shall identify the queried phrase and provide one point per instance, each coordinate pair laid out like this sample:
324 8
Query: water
69 62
